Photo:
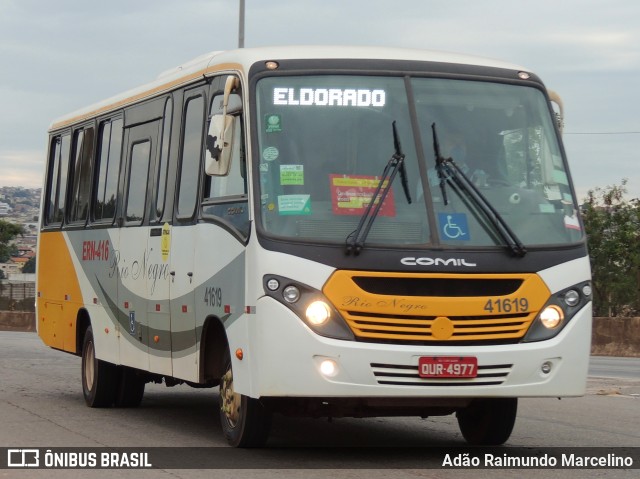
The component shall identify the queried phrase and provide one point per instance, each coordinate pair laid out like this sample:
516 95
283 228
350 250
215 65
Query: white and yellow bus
319 231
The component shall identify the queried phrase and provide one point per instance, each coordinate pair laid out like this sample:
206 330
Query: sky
59 56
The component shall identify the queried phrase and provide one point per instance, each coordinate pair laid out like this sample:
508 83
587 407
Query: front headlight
551 316
318 313
308 304
558 311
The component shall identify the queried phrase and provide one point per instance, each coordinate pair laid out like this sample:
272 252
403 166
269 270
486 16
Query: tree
30 266
612 224
8 231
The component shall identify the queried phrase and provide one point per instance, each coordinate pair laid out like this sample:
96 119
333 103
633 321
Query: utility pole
241 26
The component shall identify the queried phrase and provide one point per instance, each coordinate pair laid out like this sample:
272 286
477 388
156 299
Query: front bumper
285 357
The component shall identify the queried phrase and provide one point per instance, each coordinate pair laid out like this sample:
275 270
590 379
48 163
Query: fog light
329 368
551 316
546 367
318 313
291 294
273 284
586 290
571 297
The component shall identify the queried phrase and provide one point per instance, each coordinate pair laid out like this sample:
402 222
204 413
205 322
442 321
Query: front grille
419 328
437 308
407 375
444 288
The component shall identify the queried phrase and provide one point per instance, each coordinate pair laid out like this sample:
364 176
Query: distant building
5 209
19 260
11 268
22 277
24 252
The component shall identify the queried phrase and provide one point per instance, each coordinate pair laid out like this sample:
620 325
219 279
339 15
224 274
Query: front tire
488 422
245 421
98 377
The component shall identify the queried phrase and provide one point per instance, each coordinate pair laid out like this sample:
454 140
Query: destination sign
329 97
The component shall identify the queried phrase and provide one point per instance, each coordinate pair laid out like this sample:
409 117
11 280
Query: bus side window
138 176
226 196
107 170
235 183
83 156
57 179
190 157
161 180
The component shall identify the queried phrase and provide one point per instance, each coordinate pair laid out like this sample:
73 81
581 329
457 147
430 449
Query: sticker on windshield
294 204
350 195
560 176
454 226
546 208
552 192
291 175
273 123
270 153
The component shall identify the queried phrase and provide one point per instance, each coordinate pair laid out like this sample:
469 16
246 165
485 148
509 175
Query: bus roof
243 59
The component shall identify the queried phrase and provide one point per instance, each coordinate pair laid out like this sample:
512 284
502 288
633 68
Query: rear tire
98 377
130 388
488 422
245 421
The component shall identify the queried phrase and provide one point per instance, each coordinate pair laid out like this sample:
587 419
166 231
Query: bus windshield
325 140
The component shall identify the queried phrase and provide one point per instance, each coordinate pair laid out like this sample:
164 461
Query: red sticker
350 195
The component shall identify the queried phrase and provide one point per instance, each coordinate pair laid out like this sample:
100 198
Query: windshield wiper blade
355 240
440 165
448 170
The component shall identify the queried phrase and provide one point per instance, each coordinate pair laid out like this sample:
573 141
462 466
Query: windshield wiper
355 240
449 171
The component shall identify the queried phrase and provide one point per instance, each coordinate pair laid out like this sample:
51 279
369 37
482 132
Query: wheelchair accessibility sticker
454 226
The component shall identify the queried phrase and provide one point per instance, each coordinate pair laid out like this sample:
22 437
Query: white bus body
187 226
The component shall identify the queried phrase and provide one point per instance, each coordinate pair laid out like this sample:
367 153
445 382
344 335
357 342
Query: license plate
448 367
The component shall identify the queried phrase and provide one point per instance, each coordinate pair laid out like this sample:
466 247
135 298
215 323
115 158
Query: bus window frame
217 89
194 92
71 193
100 122
131 149
48 221
165 141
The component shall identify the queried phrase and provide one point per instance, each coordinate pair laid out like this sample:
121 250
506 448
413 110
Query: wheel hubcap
89 366
230 400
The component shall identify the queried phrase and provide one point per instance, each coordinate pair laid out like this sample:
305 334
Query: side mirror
219 140
555 98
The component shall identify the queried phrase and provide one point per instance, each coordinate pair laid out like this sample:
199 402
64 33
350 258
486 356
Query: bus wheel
488 422
130 388
245 421
98 377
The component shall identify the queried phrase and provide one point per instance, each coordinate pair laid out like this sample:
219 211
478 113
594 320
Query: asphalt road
41 405
607 367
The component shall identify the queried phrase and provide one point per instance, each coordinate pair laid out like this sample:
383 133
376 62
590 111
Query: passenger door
183 239
133 255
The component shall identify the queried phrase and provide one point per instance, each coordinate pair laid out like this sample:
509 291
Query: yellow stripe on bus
59 297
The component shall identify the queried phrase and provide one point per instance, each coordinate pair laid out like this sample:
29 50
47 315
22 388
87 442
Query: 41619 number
507 305
213 296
